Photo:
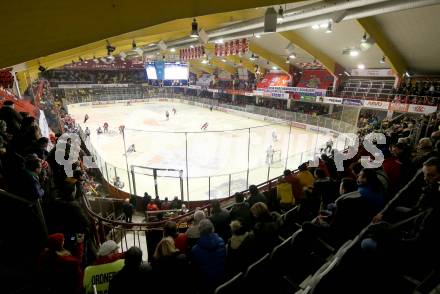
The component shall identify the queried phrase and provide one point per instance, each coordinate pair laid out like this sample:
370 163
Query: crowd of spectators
60 76
419 87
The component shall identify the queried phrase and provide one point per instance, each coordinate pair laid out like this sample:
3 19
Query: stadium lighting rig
194 29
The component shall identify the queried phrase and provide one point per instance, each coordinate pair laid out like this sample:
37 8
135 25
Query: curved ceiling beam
269 56
395 59
323 58
43 28
245 63
198 72
223 65
197 65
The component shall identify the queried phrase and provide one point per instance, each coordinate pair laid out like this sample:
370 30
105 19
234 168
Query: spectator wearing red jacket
61 270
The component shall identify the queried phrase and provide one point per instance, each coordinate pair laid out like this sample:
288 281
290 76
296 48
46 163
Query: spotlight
274 67
361 66
329 28
191 46
354 52
364 38
194 29
219 41
258 36
110 48
382 60
270 20
292 56
173 50
280 16
224 60
315 27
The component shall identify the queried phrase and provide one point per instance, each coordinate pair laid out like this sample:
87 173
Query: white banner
376 104
425 109
329 100
82 86
44 127
380 72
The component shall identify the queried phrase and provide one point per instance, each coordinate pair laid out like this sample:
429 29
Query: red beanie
55 241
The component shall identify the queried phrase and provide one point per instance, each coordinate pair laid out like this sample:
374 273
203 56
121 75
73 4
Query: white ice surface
217 152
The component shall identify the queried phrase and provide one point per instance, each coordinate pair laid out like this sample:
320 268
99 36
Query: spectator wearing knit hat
60 269
108 263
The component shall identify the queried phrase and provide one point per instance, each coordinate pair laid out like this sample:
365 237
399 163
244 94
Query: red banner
274 80
234 47
316 78
6 78
191 53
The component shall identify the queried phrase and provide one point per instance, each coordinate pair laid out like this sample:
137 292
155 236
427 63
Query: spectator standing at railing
11 117
127 208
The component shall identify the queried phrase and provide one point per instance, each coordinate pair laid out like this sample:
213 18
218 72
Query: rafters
393 55
328 62
269 56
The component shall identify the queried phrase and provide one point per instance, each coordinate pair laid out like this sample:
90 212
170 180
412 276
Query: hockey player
204 127
121 129
86 117
131 149
87 132
328 146
174 111
167 114
274 136
269 154
105 127
210 108
99 131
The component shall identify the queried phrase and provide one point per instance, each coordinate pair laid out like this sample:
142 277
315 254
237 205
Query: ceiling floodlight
194 29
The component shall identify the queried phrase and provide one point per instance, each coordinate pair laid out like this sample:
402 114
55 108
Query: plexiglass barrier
215 164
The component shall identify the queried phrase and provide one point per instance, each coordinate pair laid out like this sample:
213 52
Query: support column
16 86
288 103
336 83
330 108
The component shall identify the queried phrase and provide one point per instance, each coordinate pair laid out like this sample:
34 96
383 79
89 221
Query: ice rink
216 157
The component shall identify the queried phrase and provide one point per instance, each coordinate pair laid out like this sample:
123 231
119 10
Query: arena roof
53 33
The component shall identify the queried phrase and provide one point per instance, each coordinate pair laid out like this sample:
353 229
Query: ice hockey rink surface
214 156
